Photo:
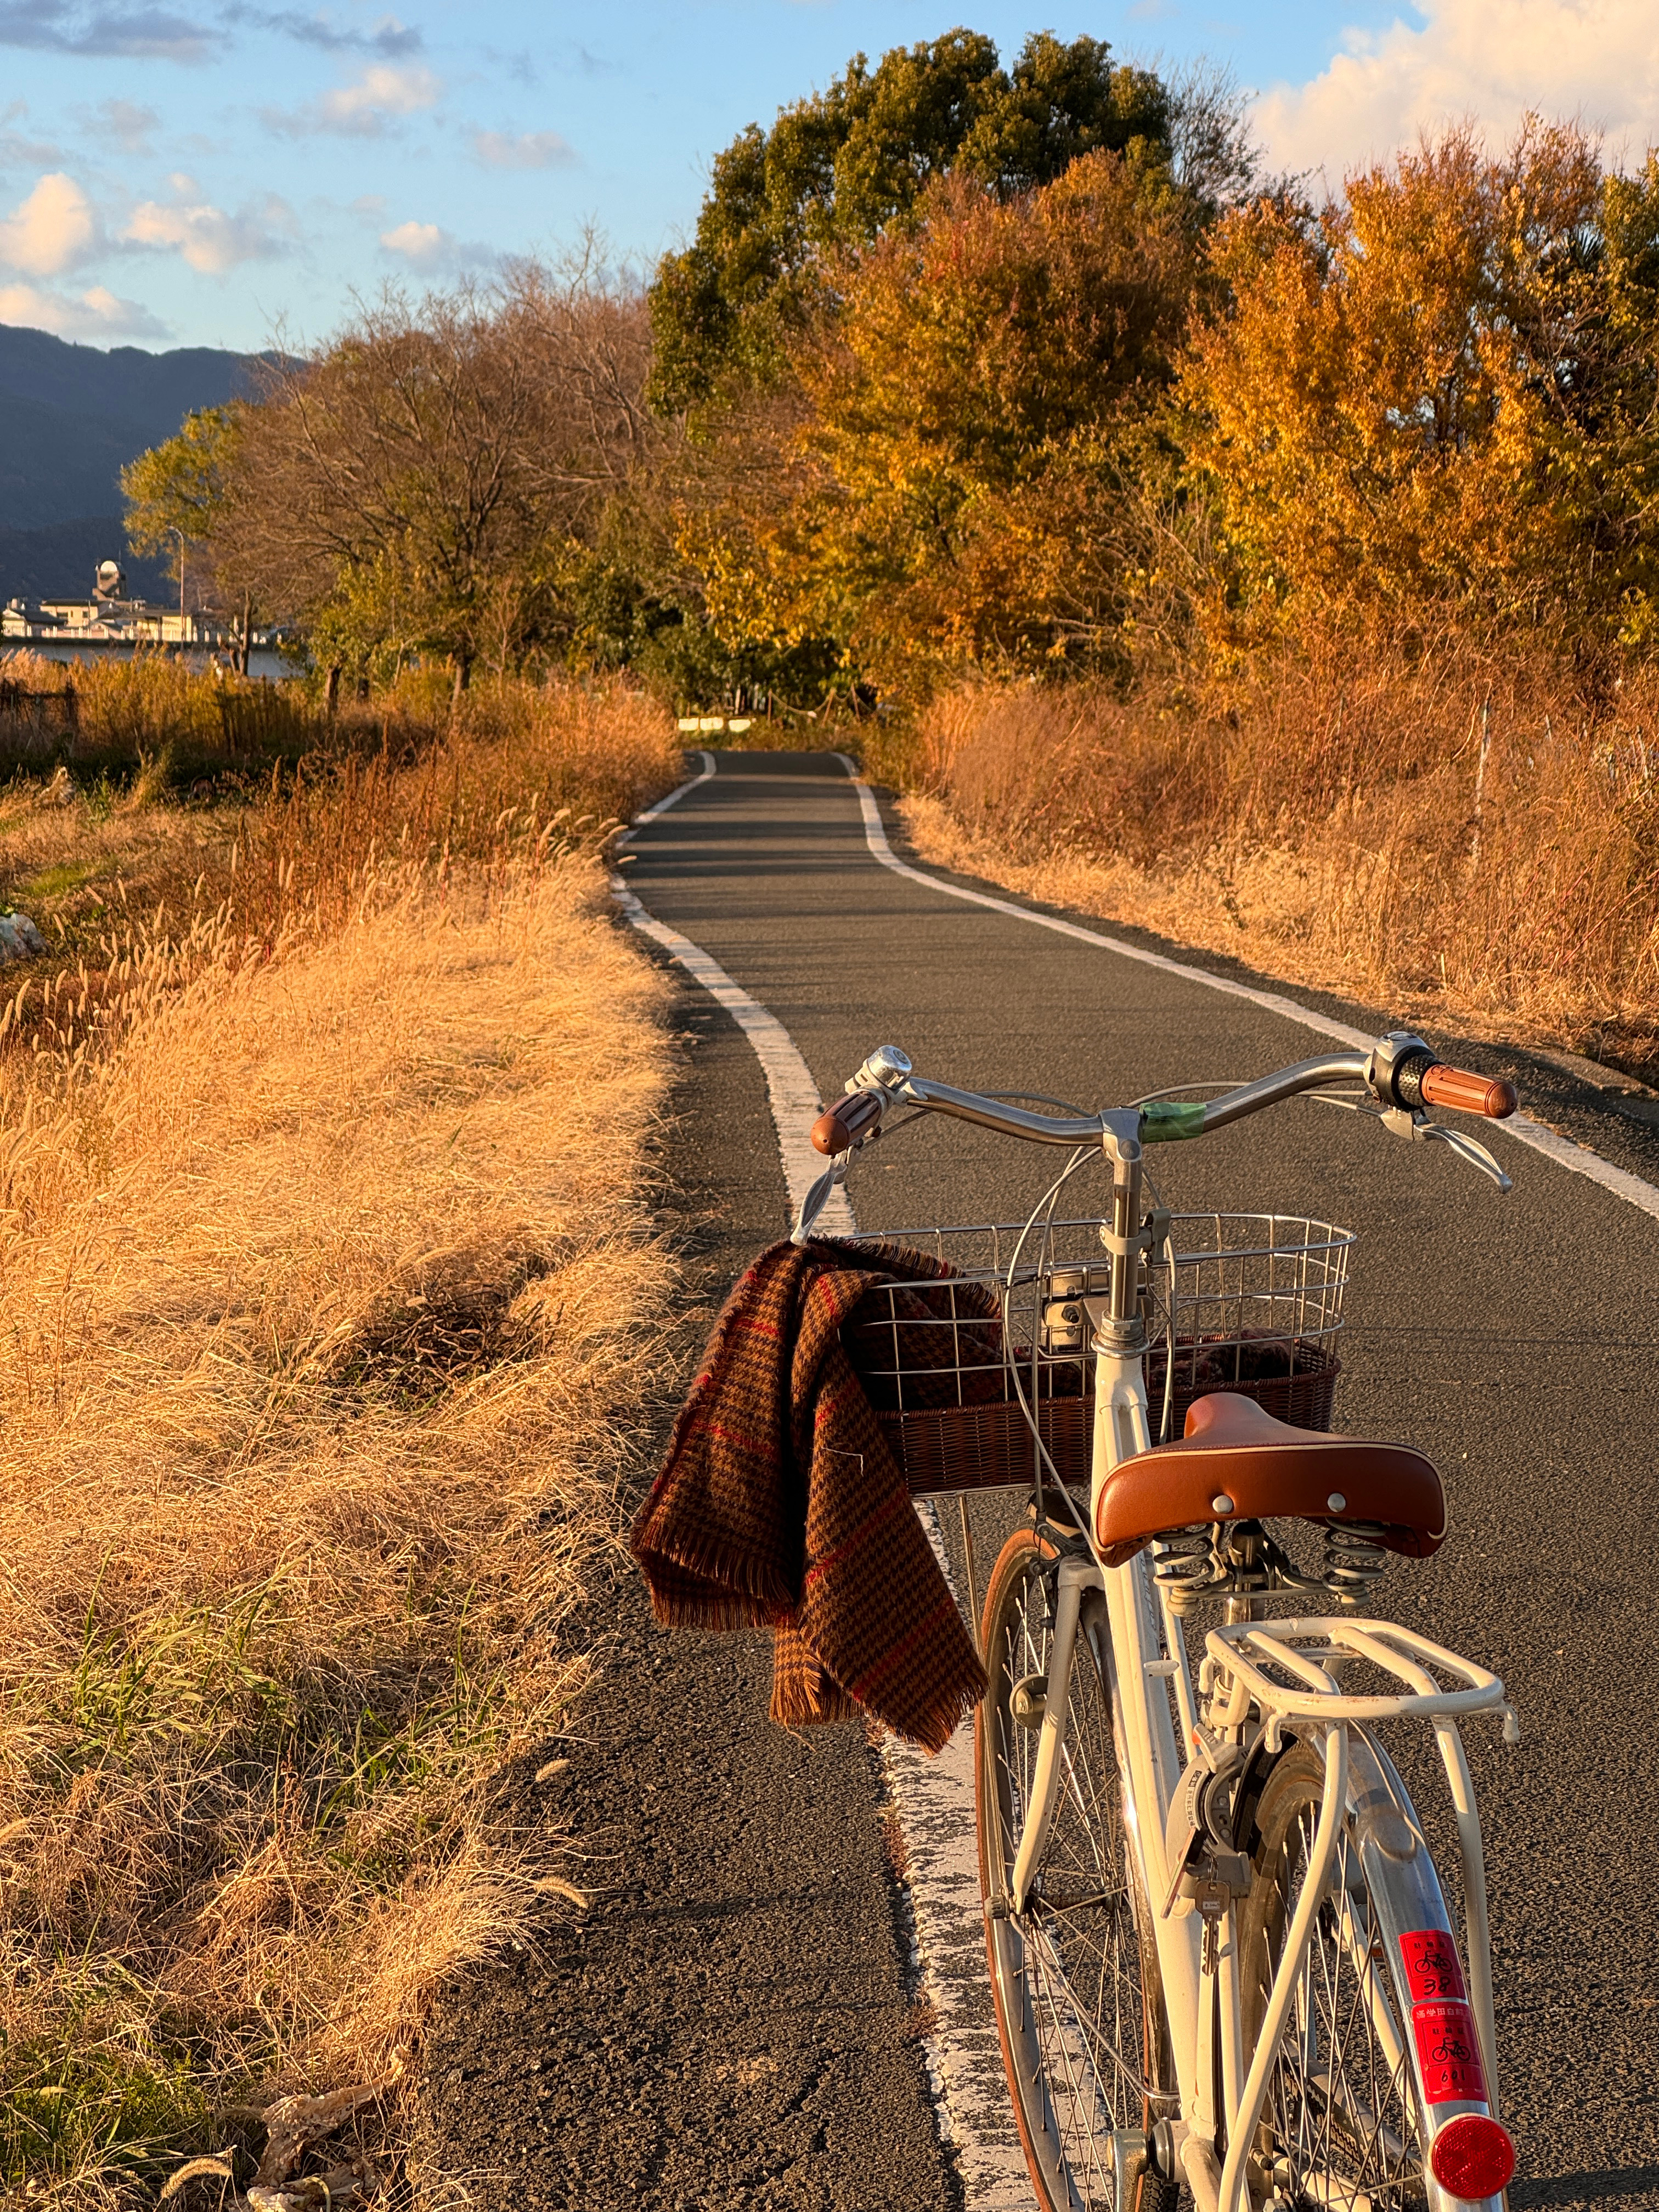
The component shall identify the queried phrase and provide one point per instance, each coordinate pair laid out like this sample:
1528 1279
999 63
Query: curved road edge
1538 1136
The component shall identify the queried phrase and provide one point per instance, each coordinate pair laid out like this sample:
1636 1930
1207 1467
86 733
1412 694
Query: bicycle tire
1074 1981
1343 2122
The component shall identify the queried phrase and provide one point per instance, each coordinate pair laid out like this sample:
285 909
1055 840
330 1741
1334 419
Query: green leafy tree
836 169
429 483
178 489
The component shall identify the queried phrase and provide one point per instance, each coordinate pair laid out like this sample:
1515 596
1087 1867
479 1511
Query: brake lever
1470 1149
1417 1127
818 1197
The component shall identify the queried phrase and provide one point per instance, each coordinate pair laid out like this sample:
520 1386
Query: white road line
933 1798
1521 1127
674 796
789 1085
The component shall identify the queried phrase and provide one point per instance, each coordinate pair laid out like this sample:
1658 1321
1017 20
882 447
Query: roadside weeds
1468 840
330 1285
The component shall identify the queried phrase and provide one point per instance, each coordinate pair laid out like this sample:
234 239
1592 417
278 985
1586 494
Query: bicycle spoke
1067 1971
1341 2112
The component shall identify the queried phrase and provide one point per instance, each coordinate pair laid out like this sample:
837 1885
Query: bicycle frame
1198 1949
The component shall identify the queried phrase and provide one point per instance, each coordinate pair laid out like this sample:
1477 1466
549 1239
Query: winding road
1515 1340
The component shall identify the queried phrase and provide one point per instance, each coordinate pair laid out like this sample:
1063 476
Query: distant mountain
60 561
70 415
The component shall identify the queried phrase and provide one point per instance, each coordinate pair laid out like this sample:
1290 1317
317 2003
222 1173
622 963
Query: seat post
1246 1605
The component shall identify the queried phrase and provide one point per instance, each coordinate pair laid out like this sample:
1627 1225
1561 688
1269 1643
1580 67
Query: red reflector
1473 2157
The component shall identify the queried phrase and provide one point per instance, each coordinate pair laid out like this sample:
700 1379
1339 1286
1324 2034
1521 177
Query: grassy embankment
325 1251
1463 839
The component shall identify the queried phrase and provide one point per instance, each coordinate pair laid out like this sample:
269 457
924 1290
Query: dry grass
1331 822
147 727
328 1307
150 715
117 879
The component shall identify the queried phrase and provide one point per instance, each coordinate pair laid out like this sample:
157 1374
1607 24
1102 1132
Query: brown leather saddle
1236 1462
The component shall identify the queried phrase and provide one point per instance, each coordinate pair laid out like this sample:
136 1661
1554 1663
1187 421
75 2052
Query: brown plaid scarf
779 1505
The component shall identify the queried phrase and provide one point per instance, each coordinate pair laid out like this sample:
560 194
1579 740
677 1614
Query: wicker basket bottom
945 1449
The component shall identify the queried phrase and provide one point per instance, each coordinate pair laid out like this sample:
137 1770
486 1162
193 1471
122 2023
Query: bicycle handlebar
839 1127
1400 1072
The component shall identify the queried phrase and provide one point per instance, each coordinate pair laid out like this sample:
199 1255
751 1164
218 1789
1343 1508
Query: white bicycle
1219 1949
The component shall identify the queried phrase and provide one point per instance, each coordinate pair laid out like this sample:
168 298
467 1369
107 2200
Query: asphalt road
1517 1339
730 2026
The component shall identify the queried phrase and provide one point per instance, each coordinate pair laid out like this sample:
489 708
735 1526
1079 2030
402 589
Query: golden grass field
328 1274
1334 821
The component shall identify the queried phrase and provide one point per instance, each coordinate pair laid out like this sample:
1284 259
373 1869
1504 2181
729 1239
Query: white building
109 625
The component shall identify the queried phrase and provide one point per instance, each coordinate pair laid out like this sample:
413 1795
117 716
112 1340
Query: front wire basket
965 1374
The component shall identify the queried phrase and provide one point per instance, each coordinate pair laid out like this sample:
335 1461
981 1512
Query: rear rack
1290 1668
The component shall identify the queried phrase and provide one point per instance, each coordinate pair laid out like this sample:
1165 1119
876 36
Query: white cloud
381 93
95 314
17 151
1491 60
530 150
422 245
388 36
60 27
51 230
211 239
430 251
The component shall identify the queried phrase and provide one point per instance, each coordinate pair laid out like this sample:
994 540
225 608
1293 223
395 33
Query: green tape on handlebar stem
1172 1121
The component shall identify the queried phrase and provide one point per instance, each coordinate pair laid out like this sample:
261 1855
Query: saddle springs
1241 1558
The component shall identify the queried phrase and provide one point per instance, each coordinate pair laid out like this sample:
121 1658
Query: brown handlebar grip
839 1128
1466 1093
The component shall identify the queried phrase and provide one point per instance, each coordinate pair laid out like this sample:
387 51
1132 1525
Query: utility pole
179 535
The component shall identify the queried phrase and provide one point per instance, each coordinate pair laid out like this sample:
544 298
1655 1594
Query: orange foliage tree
1436 396
958 476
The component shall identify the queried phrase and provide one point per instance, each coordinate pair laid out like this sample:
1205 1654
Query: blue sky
202 172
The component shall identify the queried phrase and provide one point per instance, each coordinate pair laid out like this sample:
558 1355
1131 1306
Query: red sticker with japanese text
1449 2054
1432 1967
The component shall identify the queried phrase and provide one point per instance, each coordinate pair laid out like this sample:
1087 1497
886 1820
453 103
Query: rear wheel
1074 1977
1342 2124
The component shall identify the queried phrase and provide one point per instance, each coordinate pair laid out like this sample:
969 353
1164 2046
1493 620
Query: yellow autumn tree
955 477
1423 400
